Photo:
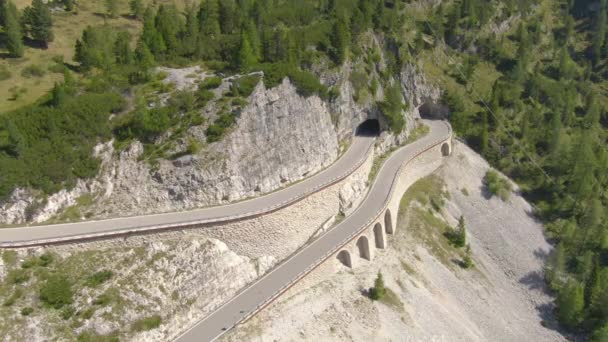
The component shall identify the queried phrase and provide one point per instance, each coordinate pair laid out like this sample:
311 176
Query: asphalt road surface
344 166
257 295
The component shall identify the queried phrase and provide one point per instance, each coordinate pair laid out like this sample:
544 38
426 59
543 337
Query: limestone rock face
279 138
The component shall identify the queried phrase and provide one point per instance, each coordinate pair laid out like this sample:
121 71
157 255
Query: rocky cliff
280 137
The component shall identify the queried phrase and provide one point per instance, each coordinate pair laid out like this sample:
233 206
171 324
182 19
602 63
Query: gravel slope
501 299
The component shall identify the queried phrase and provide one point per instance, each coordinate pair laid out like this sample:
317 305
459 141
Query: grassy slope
67 28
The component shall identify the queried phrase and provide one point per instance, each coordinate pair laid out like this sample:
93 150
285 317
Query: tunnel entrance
434 111
368 128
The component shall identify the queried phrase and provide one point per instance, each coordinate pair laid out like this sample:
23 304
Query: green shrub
13 298
183 100
210 82
307 84
378 291
359 80
457 236
33 70
28 263
56 291
274 73
92 336
193 146
99 278
203 96
496 185
45 259
214 133
147 323
67 312
391 108
26 311
244 86
54 144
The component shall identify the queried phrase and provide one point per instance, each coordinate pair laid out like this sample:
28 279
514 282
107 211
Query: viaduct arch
385 222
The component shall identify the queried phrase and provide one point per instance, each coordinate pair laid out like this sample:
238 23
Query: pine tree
599 34
555 132
58 95
253 37
570 303
521 66
209 18
3 4
378 291
582 175
122 48
438 23
228 16
340 40
137 9
556 267
143 56
190 36
246 58
14 38
168 25
598 299
565 64
39 22
150 35
484 134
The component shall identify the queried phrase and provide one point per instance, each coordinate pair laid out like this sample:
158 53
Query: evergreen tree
228 16
122 48
143 56
378 291
39 23
599 33
150 36
340 40
168 25
138 9
570 302
451 26
484 134
190 36
438 23
12 28
521 65
253 37
555 132
246 58
3 4
209 18
565 64
58 95
582 175
378 15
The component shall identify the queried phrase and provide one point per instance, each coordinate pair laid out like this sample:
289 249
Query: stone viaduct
376 236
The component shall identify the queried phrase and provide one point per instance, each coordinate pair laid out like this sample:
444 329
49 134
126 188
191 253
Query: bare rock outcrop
279 138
